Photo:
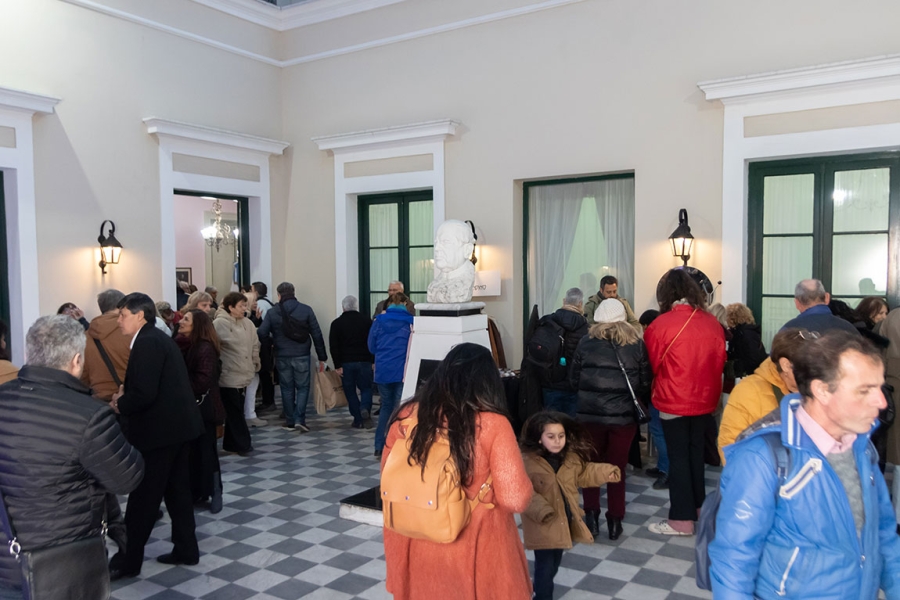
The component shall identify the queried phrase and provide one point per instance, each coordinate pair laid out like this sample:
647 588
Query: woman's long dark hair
464 384
202 330
576 440
677 285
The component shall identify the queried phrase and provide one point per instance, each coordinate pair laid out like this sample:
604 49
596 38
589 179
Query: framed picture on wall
184 274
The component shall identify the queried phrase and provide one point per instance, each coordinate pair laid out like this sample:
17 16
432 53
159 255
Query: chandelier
219 234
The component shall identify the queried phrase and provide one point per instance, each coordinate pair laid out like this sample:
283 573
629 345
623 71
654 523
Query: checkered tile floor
279 535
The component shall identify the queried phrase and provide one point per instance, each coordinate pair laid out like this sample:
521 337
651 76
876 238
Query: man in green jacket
609 288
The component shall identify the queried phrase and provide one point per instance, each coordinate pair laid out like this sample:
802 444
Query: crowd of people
142 394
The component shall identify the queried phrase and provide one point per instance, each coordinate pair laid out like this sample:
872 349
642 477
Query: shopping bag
329 392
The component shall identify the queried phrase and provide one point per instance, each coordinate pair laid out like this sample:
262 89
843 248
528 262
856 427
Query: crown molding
26 101
741 89
412 35
292 17
211 135
126 16
377 138
479 20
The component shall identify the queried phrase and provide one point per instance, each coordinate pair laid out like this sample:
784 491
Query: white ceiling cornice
26 101
740 89
292 17
376 138
211 135
376 43
127 16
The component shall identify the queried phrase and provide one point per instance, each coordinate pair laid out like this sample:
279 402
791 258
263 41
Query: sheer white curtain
553 212
577 233
615 209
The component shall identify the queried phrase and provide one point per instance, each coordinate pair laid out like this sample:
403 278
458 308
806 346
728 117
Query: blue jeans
357 375
655 427
293 377
390 396
562 401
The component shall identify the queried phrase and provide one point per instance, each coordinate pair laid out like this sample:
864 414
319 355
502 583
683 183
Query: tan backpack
431 505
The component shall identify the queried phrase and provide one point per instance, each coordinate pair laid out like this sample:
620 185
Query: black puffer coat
575 327
61 451
603 395
745 349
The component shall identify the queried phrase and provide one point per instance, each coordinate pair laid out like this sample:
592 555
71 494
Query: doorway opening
204 259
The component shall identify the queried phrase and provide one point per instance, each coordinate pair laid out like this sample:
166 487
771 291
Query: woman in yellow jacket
760 393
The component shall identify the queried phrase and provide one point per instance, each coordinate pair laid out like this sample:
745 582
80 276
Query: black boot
592 519
615 527
215 503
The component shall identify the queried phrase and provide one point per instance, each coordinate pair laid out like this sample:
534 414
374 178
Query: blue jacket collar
818 309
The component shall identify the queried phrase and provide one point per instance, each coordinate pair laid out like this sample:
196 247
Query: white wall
592 87
94 159
596 86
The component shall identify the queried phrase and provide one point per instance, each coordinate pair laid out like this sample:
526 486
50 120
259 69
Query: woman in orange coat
487 561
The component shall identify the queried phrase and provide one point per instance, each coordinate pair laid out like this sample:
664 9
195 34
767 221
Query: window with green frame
396 243
830 218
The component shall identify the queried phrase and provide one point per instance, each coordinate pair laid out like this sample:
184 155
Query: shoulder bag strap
676 336
14 547
625 373
108 362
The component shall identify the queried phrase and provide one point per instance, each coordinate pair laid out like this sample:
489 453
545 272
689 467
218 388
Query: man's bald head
809 293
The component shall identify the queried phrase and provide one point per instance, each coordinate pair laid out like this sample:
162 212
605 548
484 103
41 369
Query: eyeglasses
808 335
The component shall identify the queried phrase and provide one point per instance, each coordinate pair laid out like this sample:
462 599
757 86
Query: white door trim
217 144
17 110
824 86
377 144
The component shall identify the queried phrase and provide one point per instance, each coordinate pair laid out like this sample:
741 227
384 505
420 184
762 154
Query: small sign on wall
487 283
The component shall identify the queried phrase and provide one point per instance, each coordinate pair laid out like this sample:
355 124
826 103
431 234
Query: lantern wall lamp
475 243
110 248
681 238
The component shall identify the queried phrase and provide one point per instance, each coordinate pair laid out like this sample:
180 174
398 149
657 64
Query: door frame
365 306
243 225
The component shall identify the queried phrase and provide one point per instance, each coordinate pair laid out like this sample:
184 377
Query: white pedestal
433 337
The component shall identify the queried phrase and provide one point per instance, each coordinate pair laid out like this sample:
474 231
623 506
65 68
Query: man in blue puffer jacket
388 341
828 531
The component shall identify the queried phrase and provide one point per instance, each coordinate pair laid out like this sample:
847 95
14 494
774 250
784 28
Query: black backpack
546 345
293 329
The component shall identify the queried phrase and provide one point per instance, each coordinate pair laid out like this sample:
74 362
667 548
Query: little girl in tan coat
557 460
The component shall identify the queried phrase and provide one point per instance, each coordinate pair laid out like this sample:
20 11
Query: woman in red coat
487 561
686 346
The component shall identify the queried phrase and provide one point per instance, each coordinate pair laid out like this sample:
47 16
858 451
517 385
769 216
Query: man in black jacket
352 360
160 417
55 472
558 392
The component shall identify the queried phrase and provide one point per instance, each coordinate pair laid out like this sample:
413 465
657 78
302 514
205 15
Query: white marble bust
454 273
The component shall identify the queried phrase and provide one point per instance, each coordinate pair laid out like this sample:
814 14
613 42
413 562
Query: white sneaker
664 528
257 423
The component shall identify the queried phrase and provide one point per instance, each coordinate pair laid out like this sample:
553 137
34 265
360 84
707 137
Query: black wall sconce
681 238
475 244
110 248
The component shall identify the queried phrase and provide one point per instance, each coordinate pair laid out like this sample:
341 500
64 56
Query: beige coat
8 371
890 328
240 349
544 522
